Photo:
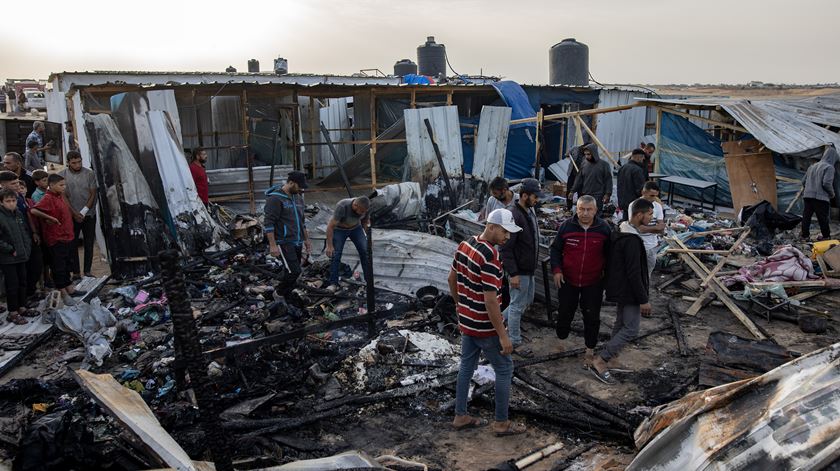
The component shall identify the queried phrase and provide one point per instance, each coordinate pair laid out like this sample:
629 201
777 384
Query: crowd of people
590 261
43 219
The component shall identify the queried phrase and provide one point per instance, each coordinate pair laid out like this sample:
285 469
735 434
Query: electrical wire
211 97
652 91
446 56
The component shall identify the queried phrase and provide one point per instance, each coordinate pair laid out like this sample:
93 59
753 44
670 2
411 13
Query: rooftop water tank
405 67
568 63
231 69
431 58
281 66
253 66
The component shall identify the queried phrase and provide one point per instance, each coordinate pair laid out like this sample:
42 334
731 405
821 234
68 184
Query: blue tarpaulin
519 158
688 151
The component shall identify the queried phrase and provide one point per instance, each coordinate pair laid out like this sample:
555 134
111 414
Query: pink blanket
787 264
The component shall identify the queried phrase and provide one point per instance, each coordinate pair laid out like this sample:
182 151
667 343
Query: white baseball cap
504 218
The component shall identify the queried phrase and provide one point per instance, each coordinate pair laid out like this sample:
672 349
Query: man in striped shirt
475 282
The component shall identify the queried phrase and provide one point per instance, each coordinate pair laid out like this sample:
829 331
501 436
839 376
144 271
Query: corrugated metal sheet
620 131
64 81
421 155
335 117
788 418
403 261
782 125
491 142
226 125
234 181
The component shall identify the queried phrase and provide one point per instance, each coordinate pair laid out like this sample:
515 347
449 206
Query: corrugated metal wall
336 118
620 131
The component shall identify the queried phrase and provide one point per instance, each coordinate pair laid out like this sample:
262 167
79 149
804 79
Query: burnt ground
418 427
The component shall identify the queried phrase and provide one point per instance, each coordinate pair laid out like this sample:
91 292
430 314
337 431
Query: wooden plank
723 259
796 284
795 199
733 127
719 290
700 251
752 178
570 114
131 411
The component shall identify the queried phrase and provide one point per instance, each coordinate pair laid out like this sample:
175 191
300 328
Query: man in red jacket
199 174
578 258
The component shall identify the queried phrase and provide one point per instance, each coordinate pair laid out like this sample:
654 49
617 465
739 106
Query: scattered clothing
786 264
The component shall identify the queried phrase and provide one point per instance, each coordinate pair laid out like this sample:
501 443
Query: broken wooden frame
716 287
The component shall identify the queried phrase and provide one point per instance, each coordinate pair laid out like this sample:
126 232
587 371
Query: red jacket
53 204
581 254
199 175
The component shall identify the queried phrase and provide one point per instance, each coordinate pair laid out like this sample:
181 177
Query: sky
630 41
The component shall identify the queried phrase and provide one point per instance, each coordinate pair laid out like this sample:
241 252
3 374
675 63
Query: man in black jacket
519 259
631 179
627 286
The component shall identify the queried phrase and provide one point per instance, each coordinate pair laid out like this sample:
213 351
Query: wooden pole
537 144
313 136
721 124
296 129
413 98
596 140
795 199
723 259
246 137
570 114
373 132
657 160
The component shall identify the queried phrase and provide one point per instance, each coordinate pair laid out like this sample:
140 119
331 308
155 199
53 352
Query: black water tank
231 69
568 63
253 66
404 67
431 58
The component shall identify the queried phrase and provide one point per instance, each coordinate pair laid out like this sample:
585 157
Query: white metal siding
620 131
491 142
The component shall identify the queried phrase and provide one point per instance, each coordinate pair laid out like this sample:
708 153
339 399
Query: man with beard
595 177
501 197
285 227
519 258
199 174
631 179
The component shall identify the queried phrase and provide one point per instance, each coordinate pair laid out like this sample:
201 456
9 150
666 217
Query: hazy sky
630 41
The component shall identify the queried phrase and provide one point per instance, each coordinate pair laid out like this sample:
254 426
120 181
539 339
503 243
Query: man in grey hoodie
818 192
595 177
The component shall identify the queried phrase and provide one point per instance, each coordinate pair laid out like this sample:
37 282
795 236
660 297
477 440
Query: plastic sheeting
520 155
91 323
688 151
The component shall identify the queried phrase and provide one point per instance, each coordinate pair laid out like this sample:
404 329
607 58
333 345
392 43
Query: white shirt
651 239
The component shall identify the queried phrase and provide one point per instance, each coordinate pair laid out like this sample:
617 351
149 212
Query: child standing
15 246
40 178
58 236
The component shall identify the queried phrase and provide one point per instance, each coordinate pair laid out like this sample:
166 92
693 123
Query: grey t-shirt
344 214
493 204
79 185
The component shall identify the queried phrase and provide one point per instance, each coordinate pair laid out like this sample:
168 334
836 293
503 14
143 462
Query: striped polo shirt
479 269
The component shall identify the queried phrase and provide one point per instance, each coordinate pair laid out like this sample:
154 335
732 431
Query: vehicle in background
35 100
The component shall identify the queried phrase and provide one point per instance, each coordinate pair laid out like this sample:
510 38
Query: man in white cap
475 283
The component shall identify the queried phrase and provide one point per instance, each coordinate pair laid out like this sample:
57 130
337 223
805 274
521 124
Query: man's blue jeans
520 298
502 365
357 235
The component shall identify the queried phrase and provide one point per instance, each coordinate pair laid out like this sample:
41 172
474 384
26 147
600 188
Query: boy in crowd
15 244
58 236
40 177
650 233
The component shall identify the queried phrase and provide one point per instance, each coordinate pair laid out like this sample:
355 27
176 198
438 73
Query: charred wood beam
188 350
682 344
567 461
284 337
594 401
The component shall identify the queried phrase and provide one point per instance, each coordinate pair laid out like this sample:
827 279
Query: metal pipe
371 295
452 201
